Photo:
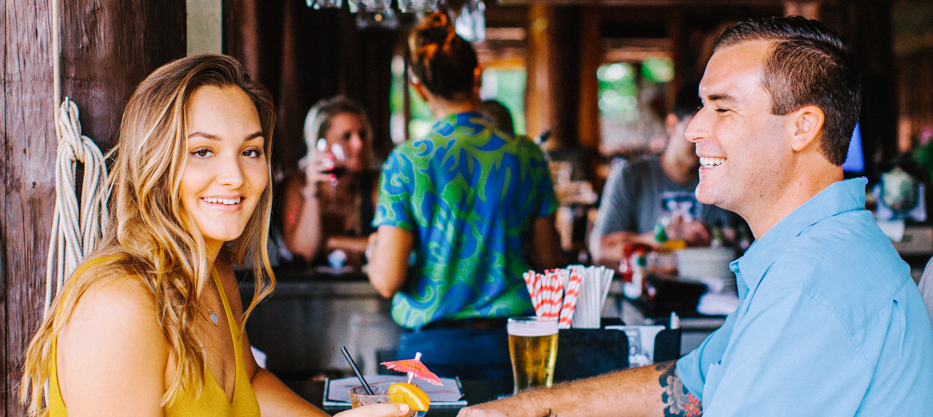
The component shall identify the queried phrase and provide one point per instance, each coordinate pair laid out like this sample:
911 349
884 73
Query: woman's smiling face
226 170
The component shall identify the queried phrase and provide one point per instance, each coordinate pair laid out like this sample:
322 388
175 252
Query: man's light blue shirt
829 323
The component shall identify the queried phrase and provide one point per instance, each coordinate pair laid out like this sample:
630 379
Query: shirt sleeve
790 354
396 182
691 369
615 207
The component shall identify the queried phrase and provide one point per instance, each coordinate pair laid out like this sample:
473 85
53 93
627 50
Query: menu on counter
337 391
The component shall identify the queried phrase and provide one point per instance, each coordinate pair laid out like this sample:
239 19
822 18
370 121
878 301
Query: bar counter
311 314
476 392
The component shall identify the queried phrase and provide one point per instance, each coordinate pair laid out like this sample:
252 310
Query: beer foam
532 328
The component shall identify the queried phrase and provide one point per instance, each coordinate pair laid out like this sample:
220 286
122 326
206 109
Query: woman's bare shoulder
112 348
113 301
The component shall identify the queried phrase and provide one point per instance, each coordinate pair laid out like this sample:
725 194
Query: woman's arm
301 209
112 355
388 265
277 399
349 244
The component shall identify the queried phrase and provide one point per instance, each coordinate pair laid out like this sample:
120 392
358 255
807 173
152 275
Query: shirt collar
456 119
839 197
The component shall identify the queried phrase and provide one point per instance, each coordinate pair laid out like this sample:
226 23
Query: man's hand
376 410
696 233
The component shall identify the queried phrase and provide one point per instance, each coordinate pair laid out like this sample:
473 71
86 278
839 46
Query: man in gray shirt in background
639 192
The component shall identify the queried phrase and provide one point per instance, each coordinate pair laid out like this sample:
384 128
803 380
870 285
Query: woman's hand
316 168
377 410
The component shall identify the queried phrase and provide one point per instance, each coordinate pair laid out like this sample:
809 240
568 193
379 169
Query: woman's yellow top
213 400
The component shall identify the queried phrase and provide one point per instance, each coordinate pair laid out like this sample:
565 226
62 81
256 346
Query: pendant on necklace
214 318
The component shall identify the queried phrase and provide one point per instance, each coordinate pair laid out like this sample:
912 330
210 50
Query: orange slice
410 394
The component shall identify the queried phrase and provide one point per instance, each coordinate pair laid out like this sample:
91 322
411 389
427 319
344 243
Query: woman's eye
202 152
252 153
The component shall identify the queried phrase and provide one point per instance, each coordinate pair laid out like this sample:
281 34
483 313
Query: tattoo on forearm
678 402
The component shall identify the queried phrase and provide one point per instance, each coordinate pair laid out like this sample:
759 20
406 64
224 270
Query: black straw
356 370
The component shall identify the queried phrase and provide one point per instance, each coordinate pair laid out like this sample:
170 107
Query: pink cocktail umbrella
414 368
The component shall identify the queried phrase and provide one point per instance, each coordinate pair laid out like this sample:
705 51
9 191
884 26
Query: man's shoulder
842 263
638 169
848 243
643 163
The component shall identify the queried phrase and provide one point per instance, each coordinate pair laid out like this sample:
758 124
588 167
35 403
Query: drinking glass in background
335 154
359 397
533 349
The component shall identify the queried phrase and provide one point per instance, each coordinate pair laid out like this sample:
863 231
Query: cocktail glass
359 397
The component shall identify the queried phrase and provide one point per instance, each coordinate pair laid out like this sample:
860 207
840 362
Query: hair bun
438 19
435 28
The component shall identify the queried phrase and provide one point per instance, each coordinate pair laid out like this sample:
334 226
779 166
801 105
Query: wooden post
539 114
106 49
28 131
591 55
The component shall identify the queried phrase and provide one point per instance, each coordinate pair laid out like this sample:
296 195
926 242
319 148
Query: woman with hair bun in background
461 214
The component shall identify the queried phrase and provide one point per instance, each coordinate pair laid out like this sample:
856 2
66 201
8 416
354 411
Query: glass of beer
533 348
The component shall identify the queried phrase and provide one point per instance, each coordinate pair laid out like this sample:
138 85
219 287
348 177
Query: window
506 84
631 105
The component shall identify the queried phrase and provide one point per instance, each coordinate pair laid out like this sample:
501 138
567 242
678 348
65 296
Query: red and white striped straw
570 300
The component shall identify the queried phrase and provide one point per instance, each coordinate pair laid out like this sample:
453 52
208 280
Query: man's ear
807 126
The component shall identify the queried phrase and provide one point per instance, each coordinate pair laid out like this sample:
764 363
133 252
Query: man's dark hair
500 115
807 64
687 101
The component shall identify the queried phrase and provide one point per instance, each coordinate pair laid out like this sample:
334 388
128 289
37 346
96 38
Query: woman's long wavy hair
152 239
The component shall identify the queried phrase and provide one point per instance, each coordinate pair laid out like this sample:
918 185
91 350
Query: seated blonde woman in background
152 324
330 203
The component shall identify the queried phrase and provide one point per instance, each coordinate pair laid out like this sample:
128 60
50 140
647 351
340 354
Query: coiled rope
75 231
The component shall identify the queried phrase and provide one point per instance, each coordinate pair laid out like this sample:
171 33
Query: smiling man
830 322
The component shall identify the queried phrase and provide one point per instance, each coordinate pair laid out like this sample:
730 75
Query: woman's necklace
210 312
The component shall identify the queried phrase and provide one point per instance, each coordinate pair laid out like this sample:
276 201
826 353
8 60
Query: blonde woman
151 324
330 204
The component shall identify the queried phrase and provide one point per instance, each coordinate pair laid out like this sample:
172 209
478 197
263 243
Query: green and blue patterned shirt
468 192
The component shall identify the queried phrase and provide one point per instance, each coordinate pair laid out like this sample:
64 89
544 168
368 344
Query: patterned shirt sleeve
394 205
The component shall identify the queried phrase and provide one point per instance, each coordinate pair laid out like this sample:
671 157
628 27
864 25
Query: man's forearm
653 390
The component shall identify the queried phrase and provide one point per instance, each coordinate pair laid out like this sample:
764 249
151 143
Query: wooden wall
27 179
106 48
